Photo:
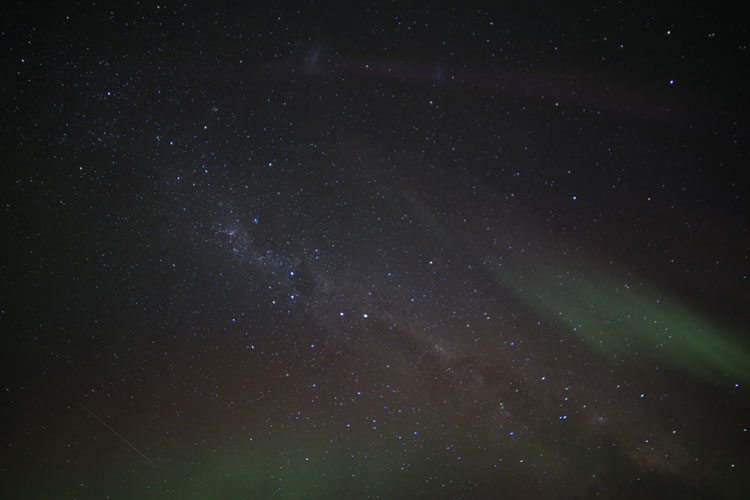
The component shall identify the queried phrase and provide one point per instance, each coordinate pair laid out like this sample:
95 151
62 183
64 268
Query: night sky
374 251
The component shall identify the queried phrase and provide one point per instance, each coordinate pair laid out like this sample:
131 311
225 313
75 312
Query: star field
374 251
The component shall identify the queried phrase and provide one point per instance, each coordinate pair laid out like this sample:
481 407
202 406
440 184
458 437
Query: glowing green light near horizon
618 319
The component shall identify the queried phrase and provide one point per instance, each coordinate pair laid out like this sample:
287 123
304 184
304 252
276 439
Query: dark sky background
374 251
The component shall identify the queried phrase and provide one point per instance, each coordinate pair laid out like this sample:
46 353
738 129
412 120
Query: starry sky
374 250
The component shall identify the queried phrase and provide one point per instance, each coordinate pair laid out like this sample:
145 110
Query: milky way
373 252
